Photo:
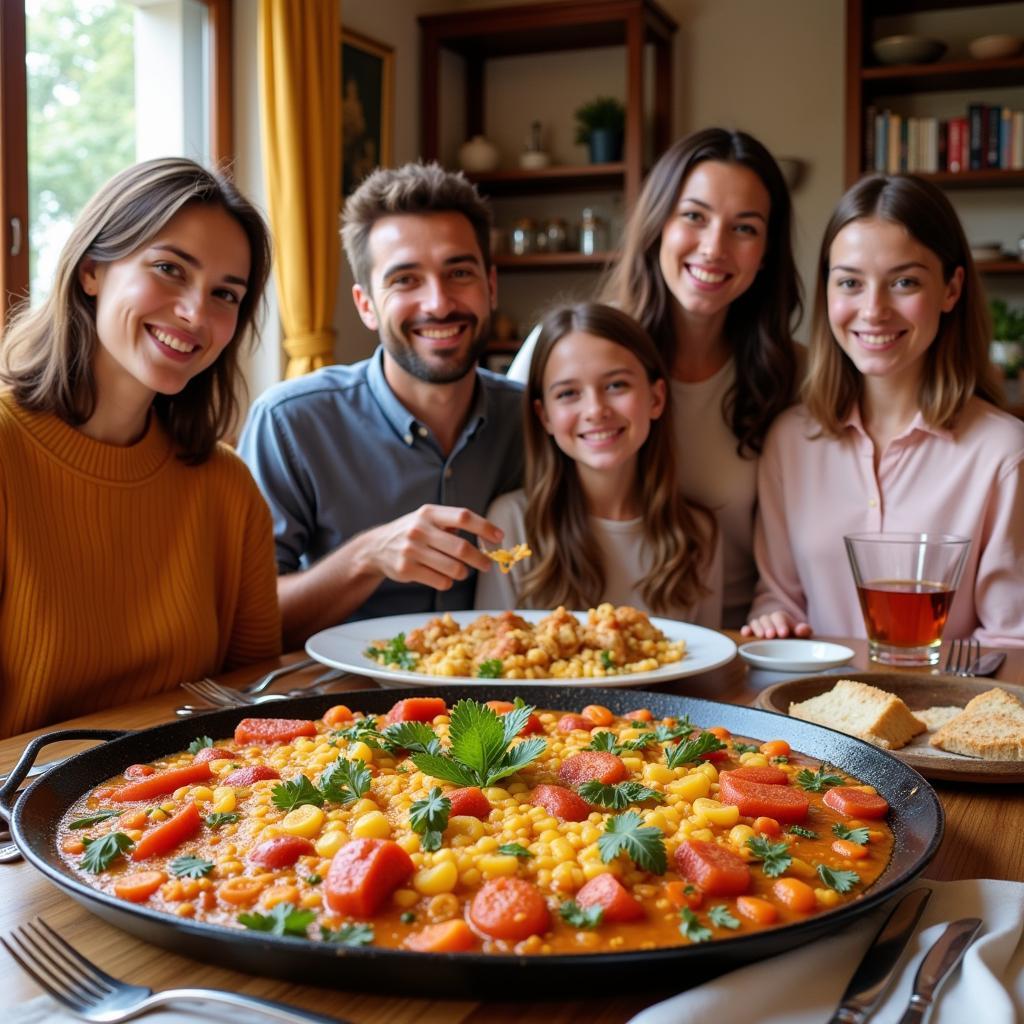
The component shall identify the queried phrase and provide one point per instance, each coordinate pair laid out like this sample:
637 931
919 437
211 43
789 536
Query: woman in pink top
900 428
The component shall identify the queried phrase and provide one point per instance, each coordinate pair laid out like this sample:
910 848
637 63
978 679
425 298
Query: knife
942 958
876 969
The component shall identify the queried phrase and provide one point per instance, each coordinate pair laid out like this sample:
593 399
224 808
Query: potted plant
1007 349
600 124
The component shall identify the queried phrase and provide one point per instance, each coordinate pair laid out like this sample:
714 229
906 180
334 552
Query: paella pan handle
18 774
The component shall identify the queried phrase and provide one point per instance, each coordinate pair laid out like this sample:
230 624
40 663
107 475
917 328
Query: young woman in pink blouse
899 429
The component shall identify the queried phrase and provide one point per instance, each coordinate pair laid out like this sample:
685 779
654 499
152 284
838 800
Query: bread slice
936 717
991 726
863 711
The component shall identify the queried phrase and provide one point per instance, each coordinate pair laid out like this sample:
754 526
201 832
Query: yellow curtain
300 109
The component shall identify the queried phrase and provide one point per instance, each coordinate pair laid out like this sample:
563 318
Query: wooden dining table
984 838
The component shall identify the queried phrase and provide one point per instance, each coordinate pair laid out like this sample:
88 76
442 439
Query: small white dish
795 655
994 47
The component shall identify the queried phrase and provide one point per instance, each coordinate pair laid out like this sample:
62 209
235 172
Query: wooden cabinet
477 36
871 84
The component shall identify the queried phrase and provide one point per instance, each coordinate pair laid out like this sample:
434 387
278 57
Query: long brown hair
47 354
680 535
956 364
759 323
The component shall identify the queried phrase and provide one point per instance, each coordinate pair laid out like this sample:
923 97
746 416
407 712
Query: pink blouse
813 490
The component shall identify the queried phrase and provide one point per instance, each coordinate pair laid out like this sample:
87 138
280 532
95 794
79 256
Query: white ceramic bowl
794 655
907 50
994 47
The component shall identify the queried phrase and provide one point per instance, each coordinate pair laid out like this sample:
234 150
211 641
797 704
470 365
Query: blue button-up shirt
336 453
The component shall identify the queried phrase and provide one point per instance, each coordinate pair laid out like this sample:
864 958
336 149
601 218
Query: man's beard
454 367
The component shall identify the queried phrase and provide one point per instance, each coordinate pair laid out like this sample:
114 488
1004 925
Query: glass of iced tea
906 583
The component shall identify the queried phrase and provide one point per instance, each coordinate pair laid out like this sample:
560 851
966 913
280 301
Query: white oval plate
795 655
342 647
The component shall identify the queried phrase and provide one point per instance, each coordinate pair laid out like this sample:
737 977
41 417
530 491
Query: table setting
971 873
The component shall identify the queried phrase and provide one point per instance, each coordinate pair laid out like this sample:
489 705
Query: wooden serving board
917 692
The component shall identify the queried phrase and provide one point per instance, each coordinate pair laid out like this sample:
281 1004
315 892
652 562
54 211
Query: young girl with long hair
900 428
707 269
135 551
601 507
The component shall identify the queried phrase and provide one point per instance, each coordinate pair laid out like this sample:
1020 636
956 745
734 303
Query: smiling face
886 295
597 403
430 296
165 312
714 241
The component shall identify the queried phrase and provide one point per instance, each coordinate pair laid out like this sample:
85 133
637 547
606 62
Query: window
88 87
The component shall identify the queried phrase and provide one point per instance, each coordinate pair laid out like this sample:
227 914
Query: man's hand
425 547
775 624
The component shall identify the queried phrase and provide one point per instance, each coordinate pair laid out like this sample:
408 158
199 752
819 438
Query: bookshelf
949 86
475 38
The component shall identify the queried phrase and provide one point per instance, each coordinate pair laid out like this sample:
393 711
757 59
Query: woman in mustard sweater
135 551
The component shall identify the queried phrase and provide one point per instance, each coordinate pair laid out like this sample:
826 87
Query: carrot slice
250 774
241 890
281 851
783 803
337 714
417 709
509 908
470 801
363 874
598 714
185 824
592 765
138 886
683 894
607 892
639 715
213 754
503 707
162 783
273 730
563 803
855 803
765 774
447 937
718 871
570 723
757 910
795 894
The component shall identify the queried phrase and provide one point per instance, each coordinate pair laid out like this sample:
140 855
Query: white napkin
804 986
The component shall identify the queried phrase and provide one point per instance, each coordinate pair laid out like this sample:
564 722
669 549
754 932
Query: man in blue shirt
377 474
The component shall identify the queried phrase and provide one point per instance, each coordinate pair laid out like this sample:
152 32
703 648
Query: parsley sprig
344 781
619 795
799 830
607 660
480 751
93 819
190 867
692 750
352 934
429 818
720 916
841 881
400 737
774 857
610 743
490 669
643 844
100 853
199 743
859 836
514 850
283 919
218 818
691 928
394 652
667 733
580 917
818 780
295 793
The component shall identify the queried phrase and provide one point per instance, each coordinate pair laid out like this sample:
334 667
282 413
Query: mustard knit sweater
123 571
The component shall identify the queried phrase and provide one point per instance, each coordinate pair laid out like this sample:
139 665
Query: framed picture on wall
367 106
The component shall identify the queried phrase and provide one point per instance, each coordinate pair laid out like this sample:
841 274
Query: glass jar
556 233
593 233
524 236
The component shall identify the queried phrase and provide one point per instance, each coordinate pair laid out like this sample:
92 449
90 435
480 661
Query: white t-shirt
624 555
710 471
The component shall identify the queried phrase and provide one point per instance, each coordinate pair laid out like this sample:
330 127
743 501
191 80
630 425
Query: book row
988 138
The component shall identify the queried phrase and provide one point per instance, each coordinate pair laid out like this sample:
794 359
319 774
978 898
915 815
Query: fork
961 656
227 697
264 681
94 995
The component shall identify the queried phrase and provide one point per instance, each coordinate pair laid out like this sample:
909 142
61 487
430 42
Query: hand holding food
507 557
